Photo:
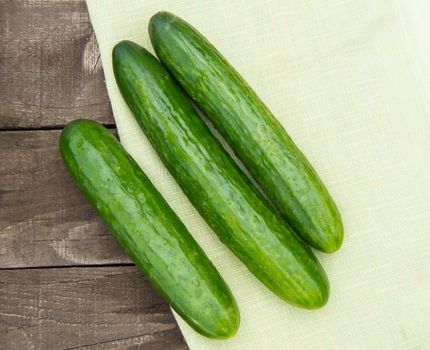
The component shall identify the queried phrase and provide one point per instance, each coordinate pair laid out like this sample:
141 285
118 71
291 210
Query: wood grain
50 74
50 69
83 308
44 219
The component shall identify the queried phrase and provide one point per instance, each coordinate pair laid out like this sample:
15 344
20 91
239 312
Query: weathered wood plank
50 69
44 219
83 308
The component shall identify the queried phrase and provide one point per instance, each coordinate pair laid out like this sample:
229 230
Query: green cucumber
255 135
148 229
215 185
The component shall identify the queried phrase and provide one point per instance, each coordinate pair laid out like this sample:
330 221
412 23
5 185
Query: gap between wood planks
63 266
48 127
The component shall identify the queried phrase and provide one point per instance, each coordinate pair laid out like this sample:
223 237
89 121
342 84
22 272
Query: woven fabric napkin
348 80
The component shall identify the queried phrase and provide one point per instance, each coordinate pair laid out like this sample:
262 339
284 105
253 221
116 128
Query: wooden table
64 282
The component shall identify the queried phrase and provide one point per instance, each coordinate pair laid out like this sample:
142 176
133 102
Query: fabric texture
349 80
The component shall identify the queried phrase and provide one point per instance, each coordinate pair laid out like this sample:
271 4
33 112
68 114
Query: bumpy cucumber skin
255 135
148 229
215 185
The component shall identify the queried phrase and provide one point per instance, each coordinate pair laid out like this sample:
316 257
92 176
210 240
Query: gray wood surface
64 282
50 65
83 308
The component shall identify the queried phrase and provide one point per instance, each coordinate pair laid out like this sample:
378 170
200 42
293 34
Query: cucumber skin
148 229
214 184
255 135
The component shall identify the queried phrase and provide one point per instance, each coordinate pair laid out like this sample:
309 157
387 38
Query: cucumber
148 229
214 184
252 131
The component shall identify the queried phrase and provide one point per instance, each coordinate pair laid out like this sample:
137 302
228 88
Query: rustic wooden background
64 282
